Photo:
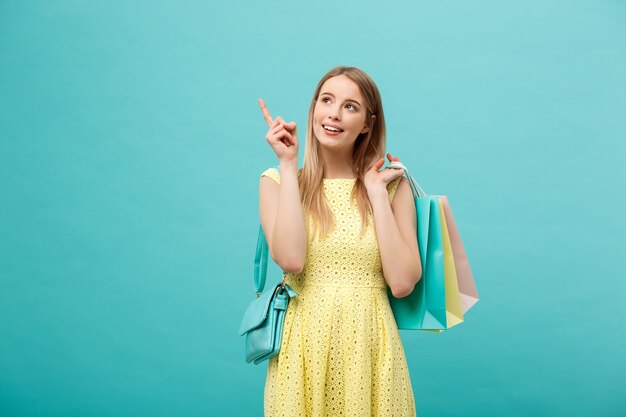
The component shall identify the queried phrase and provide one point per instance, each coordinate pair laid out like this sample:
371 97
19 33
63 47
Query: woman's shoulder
273 173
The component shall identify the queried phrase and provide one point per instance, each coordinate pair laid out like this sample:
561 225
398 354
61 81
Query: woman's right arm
281 211
282 219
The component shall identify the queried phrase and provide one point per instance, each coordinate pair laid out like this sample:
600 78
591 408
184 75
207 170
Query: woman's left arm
396 232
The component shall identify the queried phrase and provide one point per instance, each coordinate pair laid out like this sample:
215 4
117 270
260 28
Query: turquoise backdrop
131 144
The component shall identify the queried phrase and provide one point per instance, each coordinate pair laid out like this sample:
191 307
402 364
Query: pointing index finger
266 113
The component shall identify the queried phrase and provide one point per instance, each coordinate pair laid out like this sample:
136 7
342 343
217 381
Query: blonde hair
368 147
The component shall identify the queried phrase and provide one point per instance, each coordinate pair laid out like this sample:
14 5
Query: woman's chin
331 139
329 142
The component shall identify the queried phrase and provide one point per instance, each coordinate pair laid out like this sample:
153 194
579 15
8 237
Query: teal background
130 153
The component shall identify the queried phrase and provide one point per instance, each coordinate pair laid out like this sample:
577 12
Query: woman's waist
339 280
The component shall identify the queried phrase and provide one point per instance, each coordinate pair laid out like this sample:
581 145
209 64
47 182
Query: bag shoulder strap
260 259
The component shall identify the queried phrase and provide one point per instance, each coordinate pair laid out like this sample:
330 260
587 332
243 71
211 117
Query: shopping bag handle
415 187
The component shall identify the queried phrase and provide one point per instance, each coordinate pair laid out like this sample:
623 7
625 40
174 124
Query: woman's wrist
377 193
289 165
289 169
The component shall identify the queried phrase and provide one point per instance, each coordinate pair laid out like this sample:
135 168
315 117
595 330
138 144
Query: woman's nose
334 113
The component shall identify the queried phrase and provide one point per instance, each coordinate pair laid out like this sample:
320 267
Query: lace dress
341 352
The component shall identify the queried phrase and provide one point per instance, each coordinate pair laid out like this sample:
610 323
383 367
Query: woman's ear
366 128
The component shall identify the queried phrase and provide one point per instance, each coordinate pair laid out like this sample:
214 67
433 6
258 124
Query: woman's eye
351 106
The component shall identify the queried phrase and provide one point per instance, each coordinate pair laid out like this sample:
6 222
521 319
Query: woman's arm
282 219
396 232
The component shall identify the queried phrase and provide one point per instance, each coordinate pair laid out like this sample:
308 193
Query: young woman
343 232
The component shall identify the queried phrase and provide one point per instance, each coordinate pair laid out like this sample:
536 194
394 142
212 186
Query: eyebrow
349 99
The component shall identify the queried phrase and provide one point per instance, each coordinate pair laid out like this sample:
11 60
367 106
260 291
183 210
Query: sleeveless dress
341 352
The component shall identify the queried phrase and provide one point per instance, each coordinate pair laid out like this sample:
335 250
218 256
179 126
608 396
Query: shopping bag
454 310
425 307
465 278
446 289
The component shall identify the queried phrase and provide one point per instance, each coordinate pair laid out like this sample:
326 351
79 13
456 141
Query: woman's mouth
331 131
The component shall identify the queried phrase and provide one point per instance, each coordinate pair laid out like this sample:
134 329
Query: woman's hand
282 136
375 181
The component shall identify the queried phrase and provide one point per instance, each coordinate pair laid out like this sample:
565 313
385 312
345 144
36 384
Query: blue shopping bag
425 307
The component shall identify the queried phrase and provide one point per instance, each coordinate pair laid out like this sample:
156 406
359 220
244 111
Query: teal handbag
425 307
262 323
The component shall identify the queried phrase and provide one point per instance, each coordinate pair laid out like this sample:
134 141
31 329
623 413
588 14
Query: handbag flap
258 309
256 312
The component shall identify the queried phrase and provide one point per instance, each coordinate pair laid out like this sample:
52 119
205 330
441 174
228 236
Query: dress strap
392 187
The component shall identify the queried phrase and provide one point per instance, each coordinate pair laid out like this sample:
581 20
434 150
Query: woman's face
340 105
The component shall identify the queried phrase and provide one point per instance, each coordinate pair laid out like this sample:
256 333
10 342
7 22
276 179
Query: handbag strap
260 259
415 187
260 262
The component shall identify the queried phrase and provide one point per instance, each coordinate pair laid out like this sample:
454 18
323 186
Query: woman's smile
331 130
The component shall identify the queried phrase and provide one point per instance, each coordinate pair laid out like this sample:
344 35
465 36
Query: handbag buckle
281 286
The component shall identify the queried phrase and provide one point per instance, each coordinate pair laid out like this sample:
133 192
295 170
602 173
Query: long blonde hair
368 147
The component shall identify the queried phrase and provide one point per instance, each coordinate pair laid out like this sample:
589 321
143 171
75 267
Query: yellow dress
341 352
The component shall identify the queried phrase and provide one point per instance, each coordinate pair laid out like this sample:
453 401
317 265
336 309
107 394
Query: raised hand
376 181
282 136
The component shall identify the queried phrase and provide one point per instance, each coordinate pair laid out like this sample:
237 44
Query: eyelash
349 104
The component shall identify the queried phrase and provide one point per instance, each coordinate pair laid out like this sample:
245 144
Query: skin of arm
282 219
396 232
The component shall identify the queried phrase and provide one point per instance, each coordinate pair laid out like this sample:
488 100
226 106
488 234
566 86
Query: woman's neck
338 165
